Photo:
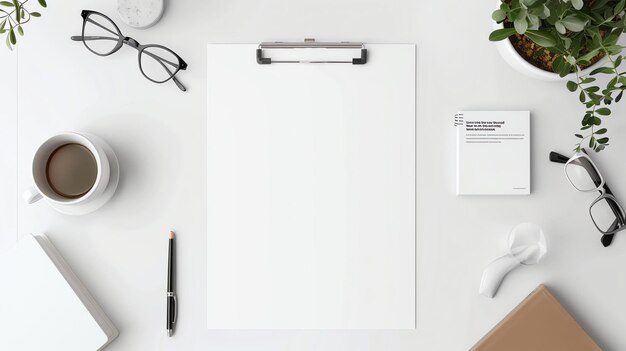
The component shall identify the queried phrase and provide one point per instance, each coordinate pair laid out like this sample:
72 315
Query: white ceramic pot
508 53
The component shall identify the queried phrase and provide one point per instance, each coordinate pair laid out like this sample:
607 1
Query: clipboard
311 186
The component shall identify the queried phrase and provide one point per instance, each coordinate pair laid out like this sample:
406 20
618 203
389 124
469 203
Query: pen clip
175 309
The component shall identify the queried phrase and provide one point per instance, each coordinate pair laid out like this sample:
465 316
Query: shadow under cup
65 160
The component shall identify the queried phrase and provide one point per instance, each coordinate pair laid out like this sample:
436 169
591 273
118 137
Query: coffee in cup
69 169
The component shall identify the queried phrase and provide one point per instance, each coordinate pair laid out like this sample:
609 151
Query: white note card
493 152
311 191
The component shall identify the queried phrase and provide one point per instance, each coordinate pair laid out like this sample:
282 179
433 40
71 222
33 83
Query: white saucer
82 209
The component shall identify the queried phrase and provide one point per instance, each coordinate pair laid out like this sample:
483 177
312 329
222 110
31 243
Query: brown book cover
538 323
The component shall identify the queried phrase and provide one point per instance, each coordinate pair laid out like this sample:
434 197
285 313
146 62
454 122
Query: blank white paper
311 191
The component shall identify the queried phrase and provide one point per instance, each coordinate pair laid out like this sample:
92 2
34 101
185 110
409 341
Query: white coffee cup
43 190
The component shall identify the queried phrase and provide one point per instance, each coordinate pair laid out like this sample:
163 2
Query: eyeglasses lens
607 215
583 175
158 64
100 34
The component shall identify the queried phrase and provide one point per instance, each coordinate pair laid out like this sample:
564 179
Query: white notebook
43 305
311 190
493 152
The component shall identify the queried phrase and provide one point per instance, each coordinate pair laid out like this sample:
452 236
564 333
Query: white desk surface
159 135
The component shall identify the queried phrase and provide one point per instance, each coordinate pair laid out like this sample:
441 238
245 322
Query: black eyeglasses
606 212
102 37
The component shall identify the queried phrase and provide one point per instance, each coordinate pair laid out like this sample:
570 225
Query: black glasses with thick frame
171 66
583 160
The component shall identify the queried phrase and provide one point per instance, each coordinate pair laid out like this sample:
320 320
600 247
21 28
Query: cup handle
31 195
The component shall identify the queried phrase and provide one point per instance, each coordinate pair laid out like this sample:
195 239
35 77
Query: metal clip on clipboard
311 44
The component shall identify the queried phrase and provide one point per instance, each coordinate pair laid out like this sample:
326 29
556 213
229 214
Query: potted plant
570 39
13 15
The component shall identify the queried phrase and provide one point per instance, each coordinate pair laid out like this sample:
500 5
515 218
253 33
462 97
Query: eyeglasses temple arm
160 59
91 37
101 26
558 158
179 84
606 239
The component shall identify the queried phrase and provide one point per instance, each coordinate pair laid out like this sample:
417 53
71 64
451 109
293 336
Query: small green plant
577 33
13 15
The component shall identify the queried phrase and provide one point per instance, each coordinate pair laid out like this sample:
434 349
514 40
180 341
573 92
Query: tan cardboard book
539 323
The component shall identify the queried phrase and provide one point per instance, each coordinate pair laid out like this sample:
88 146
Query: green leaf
603 140
18 12
565 69
592 142
610 39
574 23
605 70
520 25
619 7
619 96
35 14
578 136
12 37
578 4
598 4
43 3
498 16
534 21
8 42
560 27
603 111
542 37
572 86
557 64
20 30
501 34
588 80
588 56
601 131
567 42
6 3
2 24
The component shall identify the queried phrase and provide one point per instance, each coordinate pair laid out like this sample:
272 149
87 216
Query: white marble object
140 13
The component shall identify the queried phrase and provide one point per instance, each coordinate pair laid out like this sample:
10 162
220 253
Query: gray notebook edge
96 311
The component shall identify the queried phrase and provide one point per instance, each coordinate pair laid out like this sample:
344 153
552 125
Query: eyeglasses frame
182 65
605 193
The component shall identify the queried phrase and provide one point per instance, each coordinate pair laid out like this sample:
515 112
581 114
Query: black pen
171 298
